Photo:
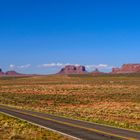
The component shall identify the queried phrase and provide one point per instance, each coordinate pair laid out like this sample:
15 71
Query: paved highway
73 128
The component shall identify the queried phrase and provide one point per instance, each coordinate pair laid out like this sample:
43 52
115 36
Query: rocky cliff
12 73
70 69
9 73
127 68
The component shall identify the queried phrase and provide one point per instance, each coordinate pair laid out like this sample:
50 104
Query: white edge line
64 134
65 117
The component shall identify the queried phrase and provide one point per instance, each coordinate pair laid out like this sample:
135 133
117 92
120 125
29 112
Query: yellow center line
73 125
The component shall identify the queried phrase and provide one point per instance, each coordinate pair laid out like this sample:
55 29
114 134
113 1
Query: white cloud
12 66
19 67
89 67
55 65
99 66
24 66
50 65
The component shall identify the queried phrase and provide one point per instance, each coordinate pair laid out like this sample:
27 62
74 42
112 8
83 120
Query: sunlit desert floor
107 99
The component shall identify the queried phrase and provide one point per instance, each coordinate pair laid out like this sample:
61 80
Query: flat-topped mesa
71 69
12 73
127 68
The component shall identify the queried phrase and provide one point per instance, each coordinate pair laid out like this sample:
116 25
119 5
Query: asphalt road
73 128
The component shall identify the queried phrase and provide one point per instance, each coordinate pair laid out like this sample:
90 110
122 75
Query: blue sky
41 36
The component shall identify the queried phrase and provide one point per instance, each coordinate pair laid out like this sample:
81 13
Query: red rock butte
12 73
70 69
127 68
9 73
96 72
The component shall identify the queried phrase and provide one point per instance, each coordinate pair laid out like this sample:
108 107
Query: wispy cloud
12 67
88 67
51 65
99 66
55 65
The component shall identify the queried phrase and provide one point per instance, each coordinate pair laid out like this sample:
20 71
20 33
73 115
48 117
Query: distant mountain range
71 69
